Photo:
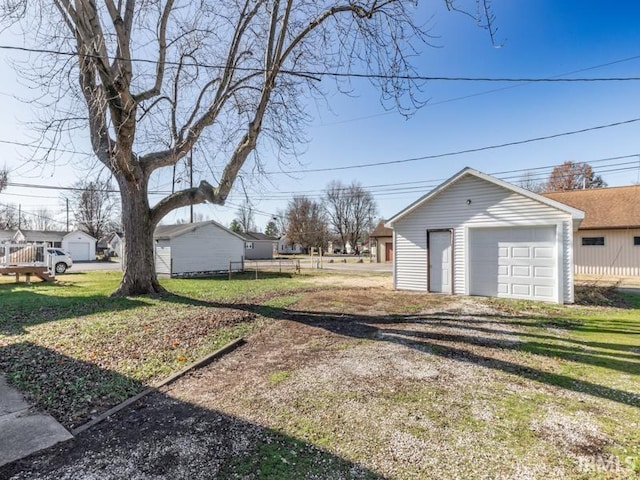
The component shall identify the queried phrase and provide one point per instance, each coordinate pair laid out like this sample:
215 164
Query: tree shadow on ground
160 436
477 345
26 308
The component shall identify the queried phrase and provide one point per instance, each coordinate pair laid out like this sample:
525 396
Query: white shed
478 235
203 247
81 246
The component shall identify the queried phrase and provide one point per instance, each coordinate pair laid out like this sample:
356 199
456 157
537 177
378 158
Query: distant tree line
344 214
568 176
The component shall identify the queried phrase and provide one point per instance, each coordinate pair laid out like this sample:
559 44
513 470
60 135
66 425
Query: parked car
61 259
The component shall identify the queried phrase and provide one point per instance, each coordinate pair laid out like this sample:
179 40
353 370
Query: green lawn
75 350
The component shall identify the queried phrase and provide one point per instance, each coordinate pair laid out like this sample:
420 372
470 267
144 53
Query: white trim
395 261
577 215
467 264
560 273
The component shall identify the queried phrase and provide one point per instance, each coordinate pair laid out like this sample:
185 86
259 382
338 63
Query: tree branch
162 55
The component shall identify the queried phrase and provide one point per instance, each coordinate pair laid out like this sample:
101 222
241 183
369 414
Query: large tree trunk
139 266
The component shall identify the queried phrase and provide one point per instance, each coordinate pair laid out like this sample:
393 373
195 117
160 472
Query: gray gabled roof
7 235
167 232
576 214
257 237
42 236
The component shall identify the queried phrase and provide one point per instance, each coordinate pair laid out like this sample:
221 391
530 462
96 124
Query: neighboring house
116 244
51 238
608 240
381 242
477 235
81 246
111 244
102 247
203 247
258 246
285 246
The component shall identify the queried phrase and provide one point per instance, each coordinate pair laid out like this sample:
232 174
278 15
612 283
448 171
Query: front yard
341 377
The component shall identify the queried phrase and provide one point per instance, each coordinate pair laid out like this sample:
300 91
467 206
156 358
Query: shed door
439 261
79 251
163 258
388 252
514 262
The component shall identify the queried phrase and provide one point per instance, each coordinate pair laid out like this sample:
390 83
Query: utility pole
19 216
67 213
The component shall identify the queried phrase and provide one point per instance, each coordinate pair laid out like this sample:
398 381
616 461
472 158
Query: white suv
61 259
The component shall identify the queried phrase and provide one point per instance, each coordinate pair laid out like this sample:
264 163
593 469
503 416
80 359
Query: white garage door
79 251
517 262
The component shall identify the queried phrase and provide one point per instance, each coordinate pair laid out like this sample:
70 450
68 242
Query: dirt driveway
361 383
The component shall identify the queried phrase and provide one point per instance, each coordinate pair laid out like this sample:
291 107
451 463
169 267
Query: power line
485 92
540 172
461 152
312 73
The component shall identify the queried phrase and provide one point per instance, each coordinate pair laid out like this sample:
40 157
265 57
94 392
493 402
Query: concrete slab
23 431
10 399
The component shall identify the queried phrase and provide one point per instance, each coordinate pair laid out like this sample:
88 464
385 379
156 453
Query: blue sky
535 38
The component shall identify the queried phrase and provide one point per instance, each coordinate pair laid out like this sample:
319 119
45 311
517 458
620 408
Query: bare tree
4 179
43 220
11 217
197 217
282 221
573 176
245 217
94 208
528 181
224 75
307 223
351 211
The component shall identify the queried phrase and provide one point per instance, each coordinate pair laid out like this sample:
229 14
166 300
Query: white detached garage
478 235
197 248
81 246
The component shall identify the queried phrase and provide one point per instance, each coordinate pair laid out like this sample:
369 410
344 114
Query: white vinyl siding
206 249
618 255
259 250
490 205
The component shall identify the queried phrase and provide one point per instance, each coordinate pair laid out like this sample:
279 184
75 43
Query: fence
25 255
269 266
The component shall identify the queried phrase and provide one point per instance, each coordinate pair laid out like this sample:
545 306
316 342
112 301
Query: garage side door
79 251
163 259
513 263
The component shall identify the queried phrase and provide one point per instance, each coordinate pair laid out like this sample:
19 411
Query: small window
636 241
588 241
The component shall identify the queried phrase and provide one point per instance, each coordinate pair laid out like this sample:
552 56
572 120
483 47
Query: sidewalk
24 431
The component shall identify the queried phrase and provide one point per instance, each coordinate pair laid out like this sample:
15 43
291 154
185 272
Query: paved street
92 266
